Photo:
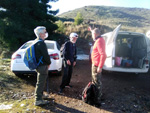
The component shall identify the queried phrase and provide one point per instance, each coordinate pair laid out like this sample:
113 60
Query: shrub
78 19
61 27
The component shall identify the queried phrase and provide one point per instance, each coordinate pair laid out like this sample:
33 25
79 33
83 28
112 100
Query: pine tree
78 19
20 17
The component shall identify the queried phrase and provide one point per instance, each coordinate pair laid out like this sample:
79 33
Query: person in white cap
69 61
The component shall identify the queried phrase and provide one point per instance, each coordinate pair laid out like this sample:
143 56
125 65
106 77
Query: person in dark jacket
69 61
42 69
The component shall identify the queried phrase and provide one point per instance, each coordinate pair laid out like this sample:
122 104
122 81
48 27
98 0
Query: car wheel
18 75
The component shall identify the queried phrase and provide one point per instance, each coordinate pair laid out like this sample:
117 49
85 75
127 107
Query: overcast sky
67 5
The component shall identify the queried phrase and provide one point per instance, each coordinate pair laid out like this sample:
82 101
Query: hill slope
131 17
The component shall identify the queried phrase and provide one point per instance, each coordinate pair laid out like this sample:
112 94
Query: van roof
128 32
124 32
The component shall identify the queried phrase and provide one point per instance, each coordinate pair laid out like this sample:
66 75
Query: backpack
89 94
63 49
30 58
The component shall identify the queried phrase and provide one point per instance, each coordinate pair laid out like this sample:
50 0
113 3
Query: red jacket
98 53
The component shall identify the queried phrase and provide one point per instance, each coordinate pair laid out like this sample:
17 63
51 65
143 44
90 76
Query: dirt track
123 92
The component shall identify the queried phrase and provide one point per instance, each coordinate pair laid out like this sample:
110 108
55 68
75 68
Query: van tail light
54 56
146 61
16 56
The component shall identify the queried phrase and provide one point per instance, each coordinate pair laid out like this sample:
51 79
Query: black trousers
68 69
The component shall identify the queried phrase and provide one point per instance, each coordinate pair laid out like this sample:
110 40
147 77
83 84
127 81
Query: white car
123 56
18 66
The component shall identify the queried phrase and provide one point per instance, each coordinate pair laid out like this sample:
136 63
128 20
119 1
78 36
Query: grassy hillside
133 19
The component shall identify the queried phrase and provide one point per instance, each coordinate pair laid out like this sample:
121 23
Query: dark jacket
70 51
41 50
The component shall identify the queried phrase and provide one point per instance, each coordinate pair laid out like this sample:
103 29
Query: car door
110 47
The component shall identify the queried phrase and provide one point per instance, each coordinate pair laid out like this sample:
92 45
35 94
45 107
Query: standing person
98 59
42 69
69 61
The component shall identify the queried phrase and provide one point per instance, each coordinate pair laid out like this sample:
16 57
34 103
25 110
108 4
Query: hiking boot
61 91
41 102
68 86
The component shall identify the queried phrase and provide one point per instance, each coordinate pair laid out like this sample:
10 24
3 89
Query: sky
67 5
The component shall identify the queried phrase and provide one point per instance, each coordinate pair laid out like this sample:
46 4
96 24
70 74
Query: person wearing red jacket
98 59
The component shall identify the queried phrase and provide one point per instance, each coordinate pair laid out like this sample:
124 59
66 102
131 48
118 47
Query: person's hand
74 63
68 62
99 70
89 28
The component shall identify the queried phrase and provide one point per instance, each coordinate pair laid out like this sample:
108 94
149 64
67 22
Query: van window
122 39
131 46
137 41
140 42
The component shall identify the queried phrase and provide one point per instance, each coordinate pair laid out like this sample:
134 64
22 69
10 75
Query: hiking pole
48 85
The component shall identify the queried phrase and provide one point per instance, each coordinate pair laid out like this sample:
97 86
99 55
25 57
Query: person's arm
101 50
66 54
44 52
75 55
66 51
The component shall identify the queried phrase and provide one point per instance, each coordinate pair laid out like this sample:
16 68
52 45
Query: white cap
72 35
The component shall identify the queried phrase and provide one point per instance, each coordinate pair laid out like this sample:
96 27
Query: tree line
18 18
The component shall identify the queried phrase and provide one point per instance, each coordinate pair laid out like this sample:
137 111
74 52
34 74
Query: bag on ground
89 94
30 58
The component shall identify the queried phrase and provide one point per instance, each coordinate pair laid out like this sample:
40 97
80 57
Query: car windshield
26 45
50 45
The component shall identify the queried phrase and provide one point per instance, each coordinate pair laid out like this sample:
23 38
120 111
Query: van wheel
104 72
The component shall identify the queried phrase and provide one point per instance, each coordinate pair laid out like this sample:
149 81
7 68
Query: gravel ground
122 92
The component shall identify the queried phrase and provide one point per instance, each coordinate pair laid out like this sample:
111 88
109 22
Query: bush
78 19
61 27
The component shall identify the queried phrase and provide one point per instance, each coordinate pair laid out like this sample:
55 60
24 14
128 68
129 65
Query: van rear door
110 47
